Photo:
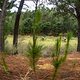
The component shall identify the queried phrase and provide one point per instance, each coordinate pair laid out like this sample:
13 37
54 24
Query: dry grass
47 41
19 68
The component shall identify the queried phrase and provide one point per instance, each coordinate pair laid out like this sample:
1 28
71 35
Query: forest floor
19 68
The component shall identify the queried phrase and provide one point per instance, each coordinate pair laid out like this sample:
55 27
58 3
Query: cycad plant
57 58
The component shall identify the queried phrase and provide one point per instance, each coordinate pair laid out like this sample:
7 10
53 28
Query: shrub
34 50
3 62
34 53
57 58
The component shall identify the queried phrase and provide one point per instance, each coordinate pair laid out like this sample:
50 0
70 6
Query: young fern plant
57 58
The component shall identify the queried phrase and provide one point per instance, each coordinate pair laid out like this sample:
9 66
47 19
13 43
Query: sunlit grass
47 41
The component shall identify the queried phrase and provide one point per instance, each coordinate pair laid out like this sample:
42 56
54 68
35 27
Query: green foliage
34 50
57 58
36 21
45 27
34 53
6 49
8 26
9 5
50 22
27 28
37 17
69 35
5 66
3 62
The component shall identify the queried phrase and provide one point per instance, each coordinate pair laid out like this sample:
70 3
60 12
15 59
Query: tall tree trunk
16 26
78 46
78 19
2 20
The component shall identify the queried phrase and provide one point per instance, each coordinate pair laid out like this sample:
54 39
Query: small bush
57 58
3 62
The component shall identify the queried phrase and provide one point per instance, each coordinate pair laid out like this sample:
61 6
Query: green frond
37 17
34 53
57 58
57 47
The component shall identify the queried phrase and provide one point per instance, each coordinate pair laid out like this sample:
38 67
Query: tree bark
78 19
2 20
16 26
78 46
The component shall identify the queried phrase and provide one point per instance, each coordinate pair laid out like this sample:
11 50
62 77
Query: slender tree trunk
78 19
2 20
16 26
78 46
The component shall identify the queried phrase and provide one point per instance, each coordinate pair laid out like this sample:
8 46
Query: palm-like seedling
34 49
34 53
57 58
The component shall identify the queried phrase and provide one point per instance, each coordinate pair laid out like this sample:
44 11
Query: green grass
47 41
